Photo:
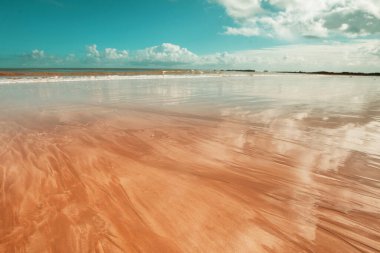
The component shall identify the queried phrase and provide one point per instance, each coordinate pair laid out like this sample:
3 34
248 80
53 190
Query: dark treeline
333 73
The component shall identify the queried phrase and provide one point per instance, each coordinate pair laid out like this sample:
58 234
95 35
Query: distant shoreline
332 73
308 73
91 72
77 72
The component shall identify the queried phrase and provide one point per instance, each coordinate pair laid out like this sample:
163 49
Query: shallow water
263 163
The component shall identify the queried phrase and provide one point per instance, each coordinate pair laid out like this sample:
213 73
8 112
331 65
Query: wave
53 79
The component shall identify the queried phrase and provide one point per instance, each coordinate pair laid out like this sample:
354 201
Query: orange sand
123 180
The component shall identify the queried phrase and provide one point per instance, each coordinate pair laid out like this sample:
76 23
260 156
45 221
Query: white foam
53 79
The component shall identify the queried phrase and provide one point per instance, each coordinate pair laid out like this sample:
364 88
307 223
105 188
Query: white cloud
71 57
36 58
241 8
92 51
166 53
362 55
108 54
292 18
244 31
37 54
113 54
357 56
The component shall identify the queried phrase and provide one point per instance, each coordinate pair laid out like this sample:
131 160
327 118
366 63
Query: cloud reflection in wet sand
233 164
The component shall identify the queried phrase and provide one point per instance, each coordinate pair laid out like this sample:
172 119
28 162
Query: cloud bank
37 54
108 53
166 53
361 55
289 19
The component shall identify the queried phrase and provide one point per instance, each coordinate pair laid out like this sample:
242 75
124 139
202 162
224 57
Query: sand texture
190 166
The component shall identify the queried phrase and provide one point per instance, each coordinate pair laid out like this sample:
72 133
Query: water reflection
276 163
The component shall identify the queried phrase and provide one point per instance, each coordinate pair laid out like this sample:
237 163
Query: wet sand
229 164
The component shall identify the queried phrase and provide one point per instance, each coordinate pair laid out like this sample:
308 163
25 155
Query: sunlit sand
264 163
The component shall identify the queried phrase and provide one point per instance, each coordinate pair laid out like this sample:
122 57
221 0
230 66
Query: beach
217 163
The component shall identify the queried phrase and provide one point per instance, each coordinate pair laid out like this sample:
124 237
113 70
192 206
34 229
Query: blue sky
260 34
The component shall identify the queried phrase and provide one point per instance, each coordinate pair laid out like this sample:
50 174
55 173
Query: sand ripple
123 178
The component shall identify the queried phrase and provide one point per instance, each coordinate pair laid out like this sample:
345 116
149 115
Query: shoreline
95 73
327 73
54 77
87 72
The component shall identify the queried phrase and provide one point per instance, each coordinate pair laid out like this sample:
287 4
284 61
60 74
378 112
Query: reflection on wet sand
214 165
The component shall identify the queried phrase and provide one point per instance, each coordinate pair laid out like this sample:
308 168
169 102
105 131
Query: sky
275 35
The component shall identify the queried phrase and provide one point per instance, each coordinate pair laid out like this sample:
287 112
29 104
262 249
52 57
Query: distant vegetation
239 70
333 73
312 73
